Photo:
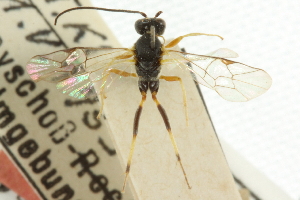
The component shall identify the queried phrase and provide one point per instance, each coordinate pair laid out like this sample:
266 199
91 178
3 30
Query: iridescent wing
232 80
76 71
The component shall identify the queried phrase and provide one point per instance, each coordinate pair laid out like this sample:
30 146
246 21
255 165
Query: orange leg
176 78
102 95
177 40
122 73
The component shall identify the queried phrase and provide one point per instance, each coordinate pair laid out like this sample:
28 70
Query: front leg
177 40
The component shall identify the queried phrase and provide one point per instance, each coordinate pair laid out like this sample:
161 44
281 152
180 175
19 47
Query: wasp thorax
142 26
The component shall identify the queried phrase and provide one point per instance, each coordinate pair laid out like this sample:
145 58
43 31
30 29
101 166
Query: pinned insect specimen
88 72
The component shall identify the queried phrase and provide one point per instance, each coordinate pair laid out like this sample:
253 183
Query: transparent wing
76 71
233 81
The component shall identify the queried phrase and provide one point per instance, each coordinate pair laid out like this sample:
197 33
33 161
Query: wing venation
232 80
78 71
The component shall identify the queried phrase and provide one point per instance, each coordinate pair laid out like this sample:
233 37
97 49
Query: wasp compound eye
160 26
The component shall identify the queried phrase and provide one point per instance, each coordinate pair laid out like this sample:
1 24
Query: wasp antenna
97 8
158 13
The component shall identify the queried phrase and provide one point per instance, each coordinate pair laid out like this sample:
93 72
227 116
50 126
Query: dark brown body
148 62
148 52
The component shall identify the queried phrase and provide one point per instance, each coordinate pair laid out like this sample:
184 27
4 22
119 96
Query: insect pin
77 70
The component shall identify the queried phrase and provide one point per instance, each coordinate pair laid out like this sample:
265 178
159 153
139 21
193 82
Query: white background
266 130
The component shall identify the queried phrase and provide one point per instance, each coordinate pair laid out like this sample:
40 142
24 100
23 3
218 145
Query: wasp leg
122 73
167 124
176 78
102 96
177 40
135 131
